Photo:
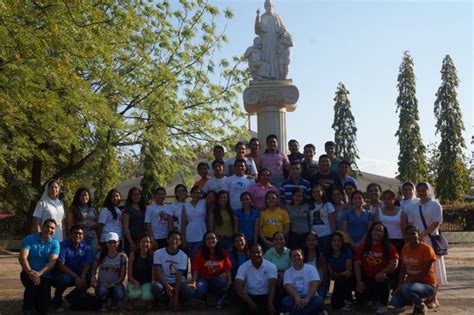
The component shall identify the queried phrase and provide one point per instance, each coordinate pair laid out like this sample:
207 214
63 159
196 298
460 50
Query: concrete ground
456 298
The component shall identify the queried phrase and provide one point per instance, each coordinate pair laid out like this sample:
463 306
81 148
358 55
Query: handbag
439 242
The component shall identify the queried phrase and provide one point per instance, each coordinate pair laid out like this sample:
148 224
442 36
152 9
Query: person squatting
266 232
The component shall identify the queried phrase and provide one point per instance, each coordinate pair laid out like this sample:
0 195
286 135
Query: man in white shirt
216 183
258 277
169 266
301 281
240 150
237 184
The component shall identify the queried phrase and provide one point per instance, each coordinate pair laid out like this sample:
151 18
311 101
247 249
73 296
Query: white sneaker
381 309
220 303
349 306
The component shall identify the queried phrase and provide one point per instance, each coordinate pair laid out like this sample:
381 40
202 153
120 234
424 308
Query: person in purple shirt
75 260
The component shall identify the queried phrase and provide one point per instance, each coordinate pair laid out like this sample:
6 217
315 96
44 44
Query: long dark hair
345 242
76 204
150 250
129 201
298 190
317 249
234 250
176 190
105 251
108 202
384 242
216 212
218 252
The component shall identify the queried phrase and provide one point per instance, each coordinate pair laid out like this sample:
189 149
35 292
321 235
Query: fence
12 228
458 220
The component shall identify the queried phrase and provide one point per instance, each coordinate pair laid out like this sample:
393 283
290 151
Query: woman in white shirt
409 199
433 215
110 217
50 207
156 219
194 222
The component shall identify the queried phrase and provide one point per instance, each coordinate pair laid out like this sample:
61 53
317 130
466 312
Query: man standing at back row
326 177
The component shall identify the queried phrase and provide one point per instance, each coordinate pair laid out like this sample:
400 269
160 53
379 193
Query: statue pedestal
270 100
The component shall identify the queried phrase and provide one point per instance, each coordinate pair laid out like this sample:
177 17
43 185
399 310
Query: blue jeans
92 242
193 247
61 282
412 292
323 290
159 293
216 284
314 306
117 292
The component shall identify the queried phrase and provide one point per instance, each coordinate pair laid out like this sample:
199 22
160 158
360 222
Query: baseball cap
111 236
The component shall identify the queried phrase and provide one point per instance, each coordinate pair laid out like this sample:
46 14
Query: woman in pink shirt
260 189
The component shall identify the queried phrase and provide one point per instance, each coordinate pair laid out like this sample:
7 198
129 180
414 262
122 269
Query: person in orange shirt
417 279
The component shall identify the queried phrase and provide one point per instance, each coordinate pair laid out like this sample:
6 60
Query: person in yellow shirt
273 219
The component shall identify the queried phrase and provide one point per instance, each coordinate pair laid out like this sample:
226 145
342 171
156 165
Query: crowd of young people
264 229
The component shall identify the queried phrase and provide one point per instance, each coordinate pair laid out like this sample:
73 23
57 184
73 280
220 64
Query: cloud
378 167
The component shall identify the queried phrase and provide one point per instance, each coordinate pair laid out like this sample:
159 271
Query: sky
361 43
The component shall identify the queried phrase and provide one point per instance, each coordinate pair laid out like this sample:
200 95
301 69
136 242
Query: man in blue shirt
38 255
294 181
75 260
344 169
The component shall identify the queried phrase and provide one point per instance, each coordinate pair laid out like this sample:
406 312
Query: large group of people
265 231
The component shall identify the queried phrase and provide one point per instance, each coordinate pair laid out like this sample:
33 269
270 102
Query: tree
452 175
82 80
411 158
345 130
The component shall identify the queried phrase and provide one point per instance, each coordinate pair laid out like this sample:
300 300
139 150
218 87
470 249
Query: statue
254 57
284 45
275 45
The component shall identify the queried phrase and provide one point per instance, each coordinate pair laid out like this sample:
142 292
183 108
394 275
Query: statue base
270 100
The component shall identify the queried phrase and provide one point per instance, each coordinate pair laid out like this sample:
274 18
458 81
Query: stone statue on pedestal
270 95
275 43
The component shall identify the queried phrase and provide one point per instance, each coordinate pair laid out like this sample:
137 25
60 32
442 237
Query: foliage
82 80
411 158
345 130
452 180
432 160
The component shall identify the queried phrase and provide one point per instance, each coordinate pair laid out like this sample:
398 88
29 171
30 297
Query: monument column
271 100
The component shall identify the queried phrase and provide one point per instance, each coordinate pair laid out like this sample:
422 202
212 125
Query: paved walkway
456 298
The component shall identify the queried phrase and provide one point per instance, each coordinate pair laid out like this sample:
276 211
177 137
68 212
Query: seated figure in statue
254 57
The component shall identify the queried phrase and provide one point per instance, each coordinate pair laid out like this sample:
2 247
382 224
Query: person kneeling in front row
258 276
169 264
38 255
73 268
301 281
417 278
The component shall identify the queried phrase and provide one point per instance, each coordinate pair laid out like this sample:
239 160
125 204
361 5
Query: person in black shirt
325 176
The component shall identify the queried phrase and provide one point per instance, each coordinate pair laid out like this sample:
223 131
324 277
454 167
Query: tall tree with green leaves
345 130
452 180
411 158
81 80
